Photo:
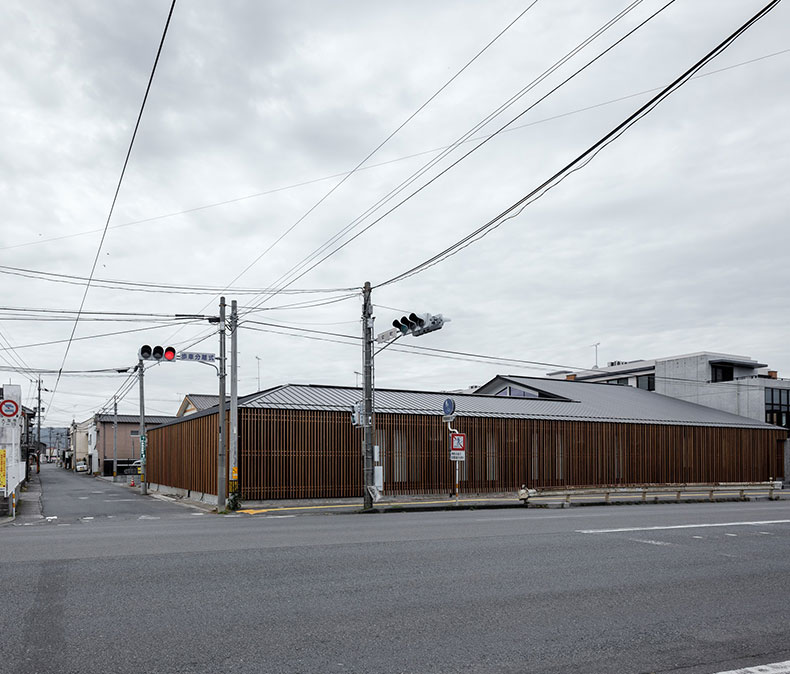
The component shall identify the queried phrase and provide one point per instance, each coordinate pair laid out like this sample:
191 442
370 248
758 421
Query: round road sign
9 408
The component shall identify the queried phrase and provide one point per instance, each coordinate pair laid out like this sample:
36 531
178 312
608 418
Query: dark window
622 381
768 393
504 392
784 398
647 382
721 373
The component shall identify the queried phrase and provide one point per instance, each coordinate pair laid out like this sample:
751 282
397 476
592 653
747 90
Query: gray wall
745 397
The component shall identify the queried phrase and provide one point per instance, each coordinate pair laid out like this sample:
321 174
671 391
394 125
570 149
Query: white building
12 464
727 382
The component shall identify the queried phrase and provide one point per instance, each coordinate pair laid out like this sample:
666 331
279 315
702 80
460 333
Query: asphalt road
684 588
71 497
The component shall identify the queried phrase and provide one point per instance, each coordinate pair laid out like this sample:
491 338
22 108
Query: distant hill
49 435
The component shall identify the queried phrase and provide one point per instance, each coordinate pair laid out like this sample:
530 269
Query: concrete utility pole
222 484
367 371
234 396
38 431
144 475
114 439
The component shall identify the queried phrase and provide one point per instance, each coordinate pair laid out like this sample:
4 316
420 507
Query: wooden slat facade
289 454
184 454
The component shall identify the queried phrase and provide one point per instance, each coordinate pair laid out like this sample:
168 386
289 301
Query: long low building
298 441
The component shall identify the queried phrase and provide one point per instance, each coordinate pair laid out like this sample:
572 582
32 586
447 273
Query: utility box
12 467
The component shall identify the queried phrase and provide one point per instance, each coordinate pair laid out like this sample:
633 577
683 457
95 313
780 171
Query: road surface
691 589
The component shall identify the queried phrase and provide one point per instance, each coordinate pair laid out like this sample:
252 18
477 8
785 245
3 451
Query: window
504 392
777 406
721 373
646 382
622 381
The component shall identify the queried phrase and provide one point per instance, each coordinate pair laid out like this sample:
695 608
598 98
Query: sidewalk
28 506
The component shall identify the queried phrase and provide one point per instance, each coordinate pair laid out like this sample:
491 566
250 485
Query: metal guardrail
740 489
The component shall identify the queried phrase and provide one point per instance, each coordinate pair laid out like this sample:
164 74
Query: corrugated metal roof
203 401
133 419
579 401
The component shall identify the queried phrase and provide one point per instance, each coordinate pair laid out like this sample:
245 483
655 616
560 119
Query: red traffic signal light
157 353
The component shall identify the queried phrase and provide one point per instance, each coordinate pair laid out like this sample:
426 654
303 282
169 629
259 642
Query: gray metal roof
134 419
578 401
203 401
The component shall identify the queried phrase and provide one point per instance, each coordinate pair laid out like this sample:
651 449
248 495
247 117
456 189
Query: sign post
457 441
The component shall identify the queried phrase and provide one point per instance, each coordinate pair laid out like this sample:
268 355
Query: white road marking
640 540
148 517
680 526
733 535
775 668
197 513
277 517
86 518
765 533
82 498
696 536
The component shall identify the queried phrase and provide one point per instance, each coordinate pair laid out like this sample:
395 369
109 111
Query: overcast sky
672 240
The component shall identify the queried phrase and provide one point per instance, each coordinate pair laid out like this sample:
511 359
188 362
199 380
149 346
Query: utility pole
234 396
144 475
222 484
114 438
38 432
367 371
259 372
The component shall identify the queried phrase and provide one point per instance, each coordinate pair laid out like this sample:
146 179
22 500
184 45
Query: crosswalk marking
775 668
681 526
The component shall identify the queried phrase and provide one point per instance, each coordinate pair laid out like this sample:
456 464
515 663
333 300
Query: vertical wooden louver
290 454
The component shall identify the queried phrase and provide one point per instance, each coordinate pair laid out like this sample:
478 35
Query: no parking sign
9 409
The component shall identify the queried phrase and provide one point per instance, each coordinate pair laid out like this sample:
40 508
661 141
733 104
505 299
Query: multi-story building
736 384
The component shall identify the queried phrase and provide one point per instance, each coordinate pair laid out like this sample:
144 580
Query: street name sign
196 356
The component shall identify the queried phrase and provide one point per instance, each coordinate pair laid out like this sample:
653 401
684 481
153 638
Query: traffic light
157 353
419 324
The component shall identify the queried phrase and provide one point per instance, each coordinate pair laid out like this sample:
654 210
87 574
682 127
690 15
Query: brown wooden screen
287 454
184 455
298 454
503 454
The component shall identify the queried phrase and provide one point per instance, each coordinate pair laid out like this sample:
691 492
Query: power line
340 174
354 223
149 287
581 160
115 196
96 336
373 152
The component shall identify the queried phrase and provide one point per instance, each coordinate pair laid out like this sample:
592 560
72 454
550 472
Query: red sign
9 408
457 447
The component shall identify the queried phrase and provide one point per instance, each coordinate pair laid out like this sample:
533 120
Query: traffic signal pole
222 481
367 372
114 439
234 397
143 473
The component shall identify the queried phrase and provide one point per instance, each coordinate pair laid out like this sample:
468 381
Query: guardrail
658 492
